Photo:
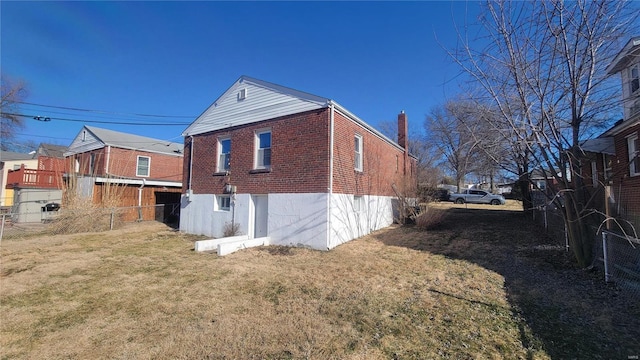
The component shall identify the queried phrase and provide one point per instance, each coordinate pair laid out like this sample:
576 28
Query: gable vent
242 94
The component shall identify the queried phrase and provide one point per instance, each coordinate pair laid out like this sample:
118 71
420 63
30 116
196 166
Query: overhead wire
107 112
49 118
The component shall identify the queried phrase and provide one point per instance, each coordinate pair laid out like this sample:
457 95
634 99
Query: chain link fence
620 259
618 256
69 221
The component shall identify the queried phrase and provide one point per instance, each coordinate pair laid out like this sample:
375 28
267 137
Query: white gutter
138 182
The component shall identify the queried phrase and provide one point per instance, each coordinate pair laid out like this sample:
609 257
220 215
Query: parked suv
477 197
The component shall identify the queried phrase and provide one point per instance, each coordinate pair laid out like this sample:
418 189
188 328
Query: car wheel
495 202
459 201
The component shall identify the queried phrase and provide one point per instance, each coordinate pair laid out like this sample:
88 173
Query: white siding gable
262 101
84 142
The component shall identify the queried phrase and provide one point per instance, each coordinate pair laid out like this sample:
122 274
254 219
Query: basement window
224 202
358 203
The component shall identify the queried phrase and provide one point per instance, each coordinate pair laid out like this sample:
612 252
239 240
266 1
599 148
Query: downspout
144 181
106 165
190 164
330 194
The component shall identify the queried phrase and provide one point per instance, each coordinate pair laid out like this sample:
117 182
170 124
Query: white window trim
138 166
219 203
359 154
635 67
632 141
594 174
220 166
257 148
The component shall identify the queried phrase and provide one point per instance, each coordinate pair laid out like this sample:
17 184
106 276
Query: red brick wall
383 163
123 162
299 157
626 188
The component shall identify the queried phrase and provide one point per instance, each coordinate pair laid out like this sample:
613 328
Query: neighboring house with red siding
293 166
145 171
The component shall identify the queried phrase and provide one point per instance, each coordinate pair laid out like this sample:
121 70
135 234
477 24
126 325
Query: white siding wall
79 146
261 103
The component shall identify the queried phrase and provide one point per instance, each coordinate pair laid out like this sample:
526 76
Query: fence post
111 220
566 237
546 224
604 255
2 227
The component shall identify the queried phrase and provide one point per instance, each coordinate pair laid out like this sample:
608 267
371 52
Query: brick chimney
403 139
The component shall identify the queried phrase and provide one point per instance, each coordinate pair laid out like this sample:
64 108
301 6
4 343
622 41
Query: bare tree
450 130
543 71
12 93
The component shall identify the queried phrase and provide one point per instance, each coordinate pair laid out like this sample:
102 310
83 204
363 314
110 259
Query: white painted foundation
293 219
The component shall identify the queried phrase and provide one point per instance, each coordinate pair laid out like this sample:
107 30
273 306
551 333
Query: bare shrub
430 218
80 213
231 229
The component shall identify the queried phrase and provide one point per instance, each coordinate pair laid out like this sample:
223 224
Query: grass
459 291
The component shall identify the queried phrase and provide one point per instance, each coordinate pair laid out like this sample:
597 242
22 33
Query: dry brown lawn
474 288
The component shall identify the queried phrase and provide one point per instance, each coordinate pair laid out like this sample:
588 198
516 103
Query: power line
106 112
42 118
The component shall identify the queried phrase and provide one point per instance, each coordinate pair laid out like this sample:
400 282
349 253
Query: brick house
612 163
142 171
295 167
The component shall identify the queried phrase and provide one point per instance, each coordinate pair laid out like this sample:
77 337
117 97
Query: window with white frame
263 149
92 163
142 168
634 78
634 158
224 157
358 203
223 202
358 152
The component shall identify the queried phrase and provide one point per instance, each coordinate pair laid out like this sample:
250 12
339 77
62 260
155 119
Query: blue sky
175 58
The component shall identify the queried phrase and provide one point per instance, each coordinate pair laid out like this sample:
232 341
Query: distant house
612 163
141 171
297 168
34 183
12 161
